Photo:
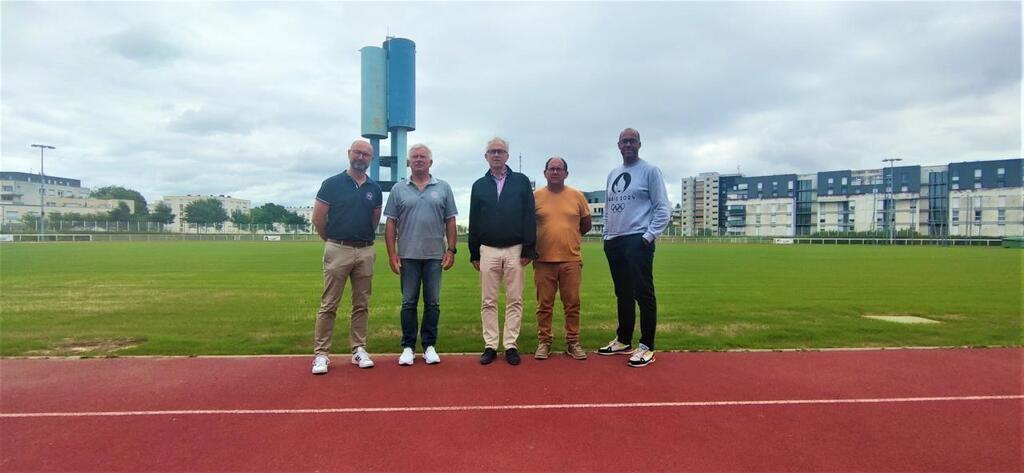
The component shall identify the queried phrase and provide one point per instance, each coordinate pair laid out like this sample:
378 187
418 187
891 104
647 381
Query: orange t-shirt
558 224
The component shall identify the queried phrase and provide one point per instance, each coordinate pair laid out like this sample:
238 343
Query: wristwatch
453 250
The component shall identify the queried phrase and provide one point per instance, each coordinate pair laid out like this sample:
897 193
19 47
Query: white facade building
986 212
699 207
768 217
21 193
177 203
306 212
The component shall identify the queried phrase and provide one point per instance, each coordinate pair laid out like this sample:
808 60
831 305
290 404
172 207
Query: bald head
629 145
630 132
361 145
360 153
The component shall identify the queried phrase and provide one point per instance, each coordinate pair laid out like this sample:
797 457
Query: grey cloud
144 45
260 100
205 121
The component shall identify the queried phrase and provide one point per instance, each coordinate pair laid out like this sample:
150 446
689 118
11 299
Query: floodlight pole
42 189
892 196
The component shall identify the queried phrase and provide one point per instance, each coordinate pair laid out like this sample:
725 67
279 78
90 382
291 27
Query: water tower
389 103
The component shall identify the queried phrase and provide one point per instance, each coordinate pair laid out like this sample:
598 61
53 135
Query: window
977 173
1002 216
904 189
1001 172
790 185
977 185
956 176
977 202
831 181
8 189
843 182
956 215
760 185
956 186
977 216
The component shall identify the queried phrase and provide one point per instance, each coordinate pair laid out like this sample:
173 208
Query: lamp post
42 189
891 196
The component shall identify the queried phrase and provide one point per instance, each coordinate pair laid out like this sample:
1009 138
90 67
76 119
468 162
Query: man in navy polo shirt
346 214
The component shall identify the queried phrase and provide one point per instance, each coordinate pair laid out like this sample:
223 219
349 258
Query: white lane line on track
624 405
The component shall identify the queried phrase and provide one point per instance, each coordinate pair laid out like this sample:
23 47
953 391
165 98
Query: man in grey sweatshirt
637 211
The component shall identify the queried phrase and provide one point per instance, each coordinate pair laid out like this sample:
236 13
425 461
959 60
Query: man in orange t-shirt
563 216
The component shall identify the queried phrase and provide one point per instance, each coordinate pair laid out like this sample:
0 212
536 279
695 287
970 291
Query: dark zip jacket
505 221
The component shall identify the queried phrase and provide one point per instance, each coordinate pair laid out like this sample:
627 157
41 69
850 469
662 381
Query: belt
352 243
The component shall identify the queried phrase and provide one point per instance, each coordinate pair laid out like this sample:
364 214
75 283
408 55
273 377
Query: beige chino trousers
497 266
340 264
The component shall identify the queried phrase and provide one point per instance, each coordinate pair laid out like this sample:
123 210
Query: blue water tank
374 92
401 78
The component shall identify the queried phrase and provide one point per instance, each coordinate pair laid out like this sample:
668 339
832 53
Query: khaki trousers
563 278
341 263
498 265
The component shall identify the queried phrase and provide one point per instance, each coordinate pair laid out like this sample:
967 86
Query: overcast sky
260 100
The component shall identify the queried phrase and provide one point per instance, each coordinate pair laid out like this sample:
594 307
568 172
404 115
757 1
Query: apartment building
21 194
978 198
177 203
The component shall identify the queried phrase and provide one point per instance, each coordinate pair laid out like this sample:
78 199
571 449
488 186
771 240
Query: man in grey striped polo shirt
420 237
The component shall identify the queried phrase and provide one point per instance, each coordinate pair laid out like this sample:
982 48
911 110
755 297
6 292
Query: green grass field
204 298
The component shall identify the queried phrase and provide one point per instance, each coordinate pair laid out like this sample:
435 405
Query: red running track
886 410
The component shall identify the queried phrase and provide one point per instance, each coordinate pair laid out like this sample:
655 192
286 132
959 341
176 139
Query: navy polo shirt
350 207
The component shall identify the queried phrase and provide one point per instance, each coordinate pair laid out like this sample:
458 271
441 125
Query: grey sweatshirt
636 202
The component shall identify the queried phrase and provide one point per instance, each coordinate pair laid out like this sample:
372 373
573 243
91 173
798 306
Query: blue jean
417 272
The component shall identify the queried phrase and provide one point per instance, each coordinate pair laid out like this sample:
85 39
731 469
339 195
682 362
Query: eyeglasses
496 151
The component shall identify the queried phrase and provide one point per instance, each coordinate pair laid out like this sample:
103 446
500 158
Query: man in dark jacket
502 241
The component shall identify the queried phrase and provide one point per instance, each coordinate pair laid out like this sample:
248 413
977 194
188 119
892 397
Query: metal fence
113 236
100 227
900 241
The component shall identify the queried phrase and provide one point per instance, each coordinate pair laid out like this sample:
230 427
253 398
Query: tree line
203 211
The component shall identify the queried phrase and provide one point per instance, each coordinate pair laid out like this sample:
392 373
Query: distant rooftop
26 177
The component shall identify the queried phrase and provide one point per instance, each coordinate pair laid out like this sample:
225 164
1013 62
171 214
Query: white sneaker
361 358
615 347
407 357
320 363
643 356
430 356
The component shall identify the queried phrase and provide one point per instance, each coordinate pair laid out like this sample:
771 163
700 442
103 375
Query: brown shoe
576 351
543 351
